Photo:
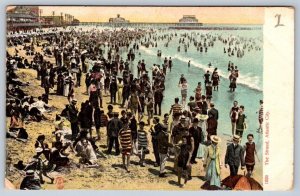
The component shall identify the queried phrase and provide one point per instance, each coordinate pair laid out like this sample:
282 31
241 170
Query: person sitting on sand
30 182
40 105
16 122
85 150
57 156
16 129
61 131
42 166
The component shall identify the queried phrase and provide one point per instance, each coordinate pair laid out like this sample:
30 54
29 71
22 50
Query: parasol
240 182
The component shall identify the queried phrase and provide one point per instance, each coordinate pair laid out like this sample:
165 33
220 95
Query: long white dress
202 147
66 87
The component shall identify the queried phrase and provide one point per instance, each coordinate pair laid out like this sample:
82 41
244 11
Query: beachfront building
75 22
22 18
52 20
187 22
188 19
118 19
57 21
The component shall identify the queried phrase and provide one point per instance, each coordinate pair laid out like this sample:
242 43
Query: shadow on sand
154 171
173 182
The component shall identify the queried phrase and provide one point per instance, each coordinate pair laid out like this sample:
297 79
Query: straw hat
202 116
215 139
29 173
197 108
236 138
38 150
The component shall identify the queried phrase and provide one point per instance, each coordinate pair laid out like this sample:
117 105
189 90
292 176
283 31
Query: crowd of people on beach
189 132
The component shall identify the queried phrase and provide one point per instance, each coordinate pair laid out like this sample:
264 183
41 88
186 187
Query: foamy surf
246 80
148 51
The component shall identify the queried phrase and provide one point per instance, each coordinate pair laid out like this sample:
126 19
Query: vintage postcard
149 98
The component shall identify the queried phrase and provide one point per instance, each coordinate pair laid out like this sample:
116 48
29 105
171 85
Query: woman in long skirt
120 91
66 87
203 124
212 162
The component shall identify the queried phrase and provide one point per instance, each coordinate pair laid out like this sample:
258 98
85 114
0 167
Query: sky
210 15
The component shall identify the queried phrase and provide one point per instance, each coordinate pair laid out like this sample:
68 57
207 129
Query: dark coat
212 125
214 112
97 118
72 114
183 156
197 134
234 155
30 183
163 143
133 128
113 87
114 127
157 128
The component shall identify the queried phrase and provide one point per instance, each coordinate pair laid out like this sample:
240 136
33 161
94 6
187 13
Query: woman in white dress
85 150
203 124
66 86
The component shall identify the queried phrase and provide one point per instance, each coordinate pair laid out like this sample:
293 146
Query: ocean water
249 84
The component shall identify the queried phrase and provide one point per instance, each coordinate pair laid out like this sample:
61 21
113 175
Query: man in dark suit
113 88
196 133
154 133
213 111
73 118
234 156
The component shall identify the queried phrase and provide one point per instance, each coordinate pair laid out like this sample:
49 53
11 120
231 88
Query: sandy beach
110 175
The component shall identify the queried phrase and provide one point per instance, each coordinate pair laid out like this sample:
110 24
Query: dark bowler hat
195 120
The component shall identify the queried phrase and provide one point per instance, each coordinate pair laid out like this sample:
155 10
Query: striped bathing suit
261 114
125 140
142 139
176 108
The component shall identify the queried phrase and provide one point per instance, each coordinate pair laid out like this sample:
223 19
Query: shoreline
85 179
